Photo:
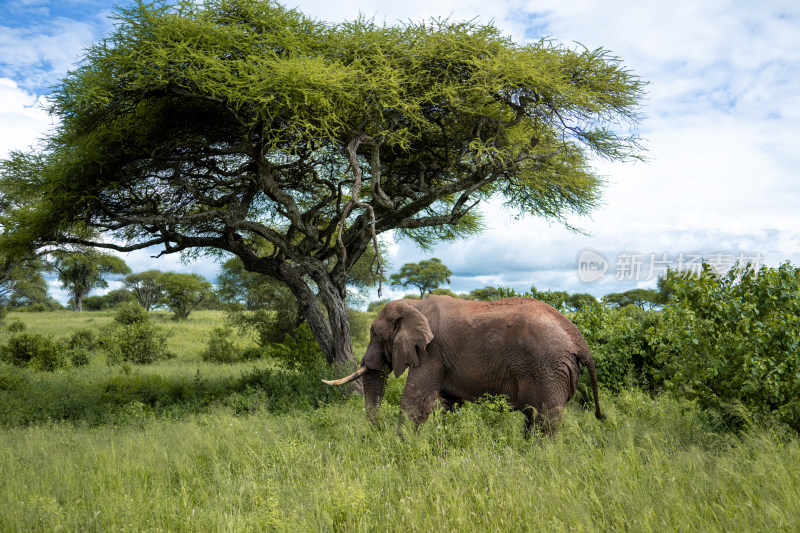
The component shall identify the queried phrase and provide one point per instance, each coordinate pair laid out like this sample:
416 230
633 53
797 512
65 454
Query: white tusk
352 377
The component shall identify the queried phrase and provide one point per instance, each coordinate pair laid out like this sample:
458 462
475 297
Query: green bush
131 313
3 312
34 351
620 341
253 353
296 382
79 356
34 308
299 353
10 378
15 326
731 343
734 341
220 348
139 342
83 338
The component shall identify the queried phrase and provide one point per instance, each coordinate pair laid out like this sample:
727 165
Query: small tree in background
135 339
642 298
580 300
486 294
146 286
426 275
184 292
83 270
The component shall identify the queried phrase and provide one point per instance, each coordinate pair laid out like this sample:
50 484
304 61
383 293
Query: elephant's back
511 328
515 319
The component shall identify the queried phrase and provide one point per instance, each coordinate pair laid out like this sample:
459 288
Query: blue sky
722 127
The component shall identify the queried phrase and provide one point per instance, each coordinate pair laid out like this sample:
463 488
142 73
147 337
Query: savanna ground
186 445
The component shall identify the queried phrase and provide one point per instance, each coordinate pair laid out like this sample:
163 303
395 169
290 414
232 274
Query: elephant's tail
585 358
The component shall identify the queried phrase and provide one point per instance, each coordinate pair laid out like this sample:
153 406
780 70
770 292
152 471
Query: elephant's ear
412 335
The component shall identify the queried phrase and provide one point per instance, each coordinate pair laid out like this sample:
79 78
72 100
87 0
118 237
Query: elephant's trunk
347 379
374 387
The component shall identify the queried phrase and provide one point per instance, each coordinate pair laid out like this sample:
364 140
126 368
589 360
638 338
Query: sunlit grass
187 338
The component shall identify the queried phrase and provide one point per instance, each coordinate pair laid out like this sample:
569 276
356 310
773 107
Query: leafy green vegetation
259 443
731 343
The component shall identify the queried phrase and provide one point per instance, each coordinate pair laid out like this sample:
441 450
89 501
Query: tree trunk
331 329
77 305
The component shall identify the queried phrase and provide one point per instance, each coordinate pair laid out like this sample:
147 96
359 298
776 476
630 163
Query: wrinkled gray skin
459 350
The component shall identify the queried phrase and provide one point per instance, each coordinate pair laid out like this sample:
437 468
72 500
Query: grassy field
184 445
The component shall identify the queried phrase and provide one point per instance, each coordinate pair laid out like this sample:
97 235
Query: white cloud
39 55
23 119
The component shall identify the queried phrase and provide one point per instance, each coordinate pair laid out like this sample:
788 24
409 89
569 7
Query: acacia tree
425 275
233 124
81 271
146 287
184 292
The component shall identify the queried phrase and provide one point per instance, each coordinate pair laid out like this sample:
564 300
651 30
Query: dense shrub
131 313
139 342
731 343
83 338
620 342
735 340
269 325
296 382
254 353
10 378
220 348
299 353
15 326
35 308
34 351
3 312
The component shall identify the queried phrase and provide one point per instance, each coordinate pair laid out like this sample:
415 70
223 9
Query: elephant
458 350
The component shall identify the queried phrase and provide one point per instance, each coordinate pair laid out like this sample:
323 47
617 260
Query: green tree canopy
184 292
642 298
486 294
580 300
81 271
146 287
24 285
425 275
228 124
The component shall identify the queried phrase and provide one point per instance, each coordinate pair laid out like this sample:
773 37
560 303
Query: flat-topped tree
242 126
426 275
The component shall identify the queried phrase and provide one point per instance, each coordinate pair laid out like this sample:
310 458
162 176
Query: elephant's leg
448 401
548 420
543 410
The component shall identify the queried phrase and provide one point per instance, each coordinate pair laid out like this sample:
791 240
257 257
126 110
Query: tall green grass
185 445
655 465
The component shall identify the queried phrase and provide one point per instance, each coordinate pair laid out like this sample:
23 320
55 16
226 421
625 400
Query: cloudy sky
721 128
